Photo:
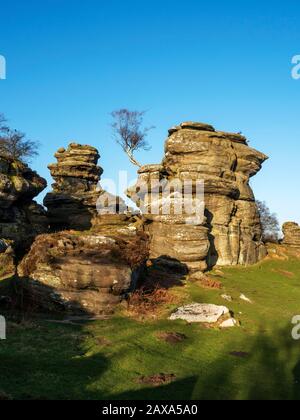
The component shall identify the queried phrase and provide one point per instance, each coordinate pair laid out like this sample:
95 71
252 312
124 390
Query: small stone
229 323
227 297
245 299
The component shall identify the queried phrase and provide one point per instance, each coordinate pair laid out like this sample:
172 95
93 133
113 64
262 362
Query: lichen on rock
229 231
83 273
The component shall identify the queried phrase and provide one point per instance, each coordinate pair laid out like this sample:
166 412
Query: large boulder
291 231
222 225
200 312
83 273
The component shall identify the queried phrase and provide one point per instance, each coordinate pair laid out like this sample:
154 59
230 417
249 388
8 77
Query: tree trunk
132 159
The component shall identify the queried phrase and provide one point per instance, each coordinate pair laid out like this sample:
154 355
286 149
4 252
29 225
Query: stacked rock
291 231
173 233
21 218
77 198
72 203
90 271
230 233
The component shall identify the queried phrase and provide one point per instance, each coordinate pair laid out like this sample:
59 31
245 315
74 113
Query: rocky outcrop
83 273
100 250
222 227
21 218
73 203
291 231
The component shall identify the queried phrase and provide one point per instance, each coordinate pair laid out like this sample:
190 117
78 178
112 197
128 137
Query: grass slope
103 359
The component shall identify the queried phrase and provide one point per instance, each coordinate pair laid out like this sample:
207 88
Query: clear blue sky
228 63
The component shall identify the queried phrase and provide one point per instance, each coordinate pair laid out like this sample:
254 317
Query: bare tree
14 143
269 222
129 133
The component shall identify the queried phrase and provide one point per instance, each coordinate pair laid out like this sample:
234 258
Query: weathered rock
229 323
291 231
7 265
77 197
200 312
21 219
82 273
230 233
72 203
227 297
245 298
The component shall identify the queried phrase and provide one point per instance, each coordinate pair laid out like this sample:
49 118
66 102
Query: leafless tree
14 143
269 222
129 133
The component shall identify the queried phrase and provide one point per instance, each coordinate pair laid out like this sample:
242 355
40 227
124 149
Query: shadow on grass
53 364
64 362
269 370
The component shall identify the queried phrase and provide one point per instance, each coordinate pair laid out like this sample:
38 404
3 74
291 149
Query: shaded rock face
291 231
229 231
7 266
21 218
82 273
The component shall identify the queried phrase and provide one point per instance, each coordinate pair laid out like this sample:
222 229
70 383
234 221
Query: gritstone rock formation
291 231
230 232
83 272
21 218
73 202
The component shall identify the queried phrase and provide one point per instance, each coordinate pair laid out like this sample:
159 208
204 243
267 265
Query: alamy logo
2 328
296 68
2 68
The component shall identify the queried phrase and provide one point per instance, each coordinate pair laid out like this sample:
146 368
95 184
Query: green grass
103 359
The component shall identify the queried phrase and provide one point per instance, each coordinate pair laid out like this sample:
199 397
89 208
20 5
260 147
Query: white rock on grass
245 299
229 323
200 312
227 297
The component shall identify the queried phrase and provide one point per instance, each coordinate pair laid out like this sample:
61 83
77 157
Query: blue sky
228 63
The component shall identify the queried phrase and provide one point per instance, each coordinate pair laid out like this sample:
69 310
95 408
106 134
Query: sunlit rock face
291 231
73 203
21 218
229 231
97 250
